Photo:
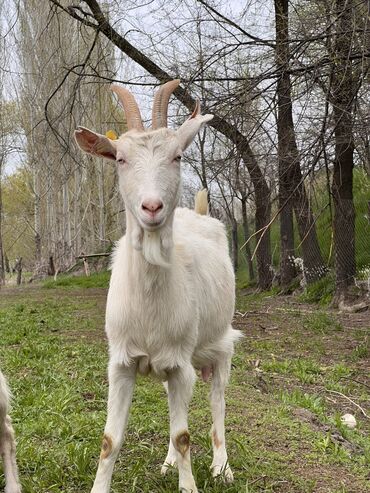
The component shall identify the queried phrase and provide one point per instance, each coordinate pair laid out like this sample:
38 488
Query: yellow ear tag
111 134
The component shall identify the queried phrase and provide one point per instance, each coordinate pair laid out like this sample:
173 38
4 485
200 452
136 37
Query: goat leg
221 372
180 388
121 387
7 448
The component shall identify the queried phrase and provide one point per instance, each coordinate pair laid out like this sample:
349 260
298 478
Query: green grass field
284 401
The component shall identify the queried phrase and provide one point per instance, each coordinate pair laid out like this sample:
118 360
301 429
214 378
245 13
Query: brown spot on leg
216 440
182 442
106 447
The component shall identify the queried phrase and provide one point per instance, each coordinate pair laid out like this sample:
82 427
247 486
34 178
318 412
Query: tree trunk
246 237
263 253
2 263
342 186
262 199
287 267
101 197
7 265
286 157
314 265
51 267
77 211
234 243
18 269
292 193
66 227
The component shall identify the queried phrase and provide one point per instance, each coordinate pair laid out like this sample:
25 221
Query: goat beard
156 247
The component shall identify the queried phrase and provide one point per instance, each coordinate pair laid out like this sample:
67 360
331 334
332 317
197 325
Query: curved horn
160 105
130 107
196 110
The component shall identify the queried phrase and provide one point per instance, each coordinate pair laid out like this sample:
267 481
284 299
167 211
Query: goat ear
95 144
191 127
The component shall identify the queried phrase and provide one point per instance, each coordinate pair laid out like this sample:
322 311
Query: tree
342 186
292 192
75 198
287 149
8 125
2 154
98 21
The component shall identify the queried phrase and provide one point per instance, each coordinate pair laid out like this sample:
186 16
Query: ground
297 370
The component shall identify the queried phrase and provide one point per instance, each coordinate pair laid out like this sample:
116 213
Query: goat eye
178 158
121 161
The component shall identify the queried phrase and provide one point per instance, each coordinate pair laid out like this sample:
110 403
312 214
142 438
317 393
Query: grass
54 353
297 398
361 351
322 323
306 371
96 280
321 291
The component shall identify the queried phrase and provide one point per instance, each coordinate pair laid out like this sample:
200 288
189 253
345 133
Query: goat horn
130 107
160 105
196 110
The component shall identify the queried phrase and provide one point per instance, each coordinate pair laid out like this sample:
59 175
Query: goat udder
206 373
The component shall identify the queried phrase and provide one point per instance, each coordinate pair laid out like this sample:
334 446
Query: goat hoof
188 485
187 490
13 489
223 472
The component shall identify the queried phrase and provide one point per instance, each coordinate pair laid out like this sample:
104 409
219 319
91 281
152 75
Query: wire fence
341 252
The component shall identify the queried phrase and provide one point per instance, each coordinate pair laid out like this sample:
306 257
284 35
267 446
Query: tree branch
218 123
236 26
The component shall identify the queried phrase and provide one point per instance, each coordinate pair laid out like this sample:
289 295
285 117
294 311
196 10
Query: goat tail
201 202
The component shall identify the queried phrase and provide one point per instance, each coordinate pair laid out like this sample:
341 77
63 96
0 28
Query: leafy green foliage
17 230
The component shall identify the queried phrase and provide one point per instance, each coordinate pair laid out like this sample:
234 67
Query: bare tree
97 20
342 187
74 199
292 192
2 151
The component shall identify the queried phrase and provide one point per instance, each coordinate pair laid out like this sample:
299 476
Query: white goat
7 443
171 295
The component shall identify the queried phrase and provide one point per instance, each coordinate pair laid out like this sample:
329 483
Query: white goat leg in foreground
171 295
7 442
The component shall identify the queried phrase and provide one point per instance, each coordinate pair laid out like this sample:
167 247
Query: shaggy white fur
7 442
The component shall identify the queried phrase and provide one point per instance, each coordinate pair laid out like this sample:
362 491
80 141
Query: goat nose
152 205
